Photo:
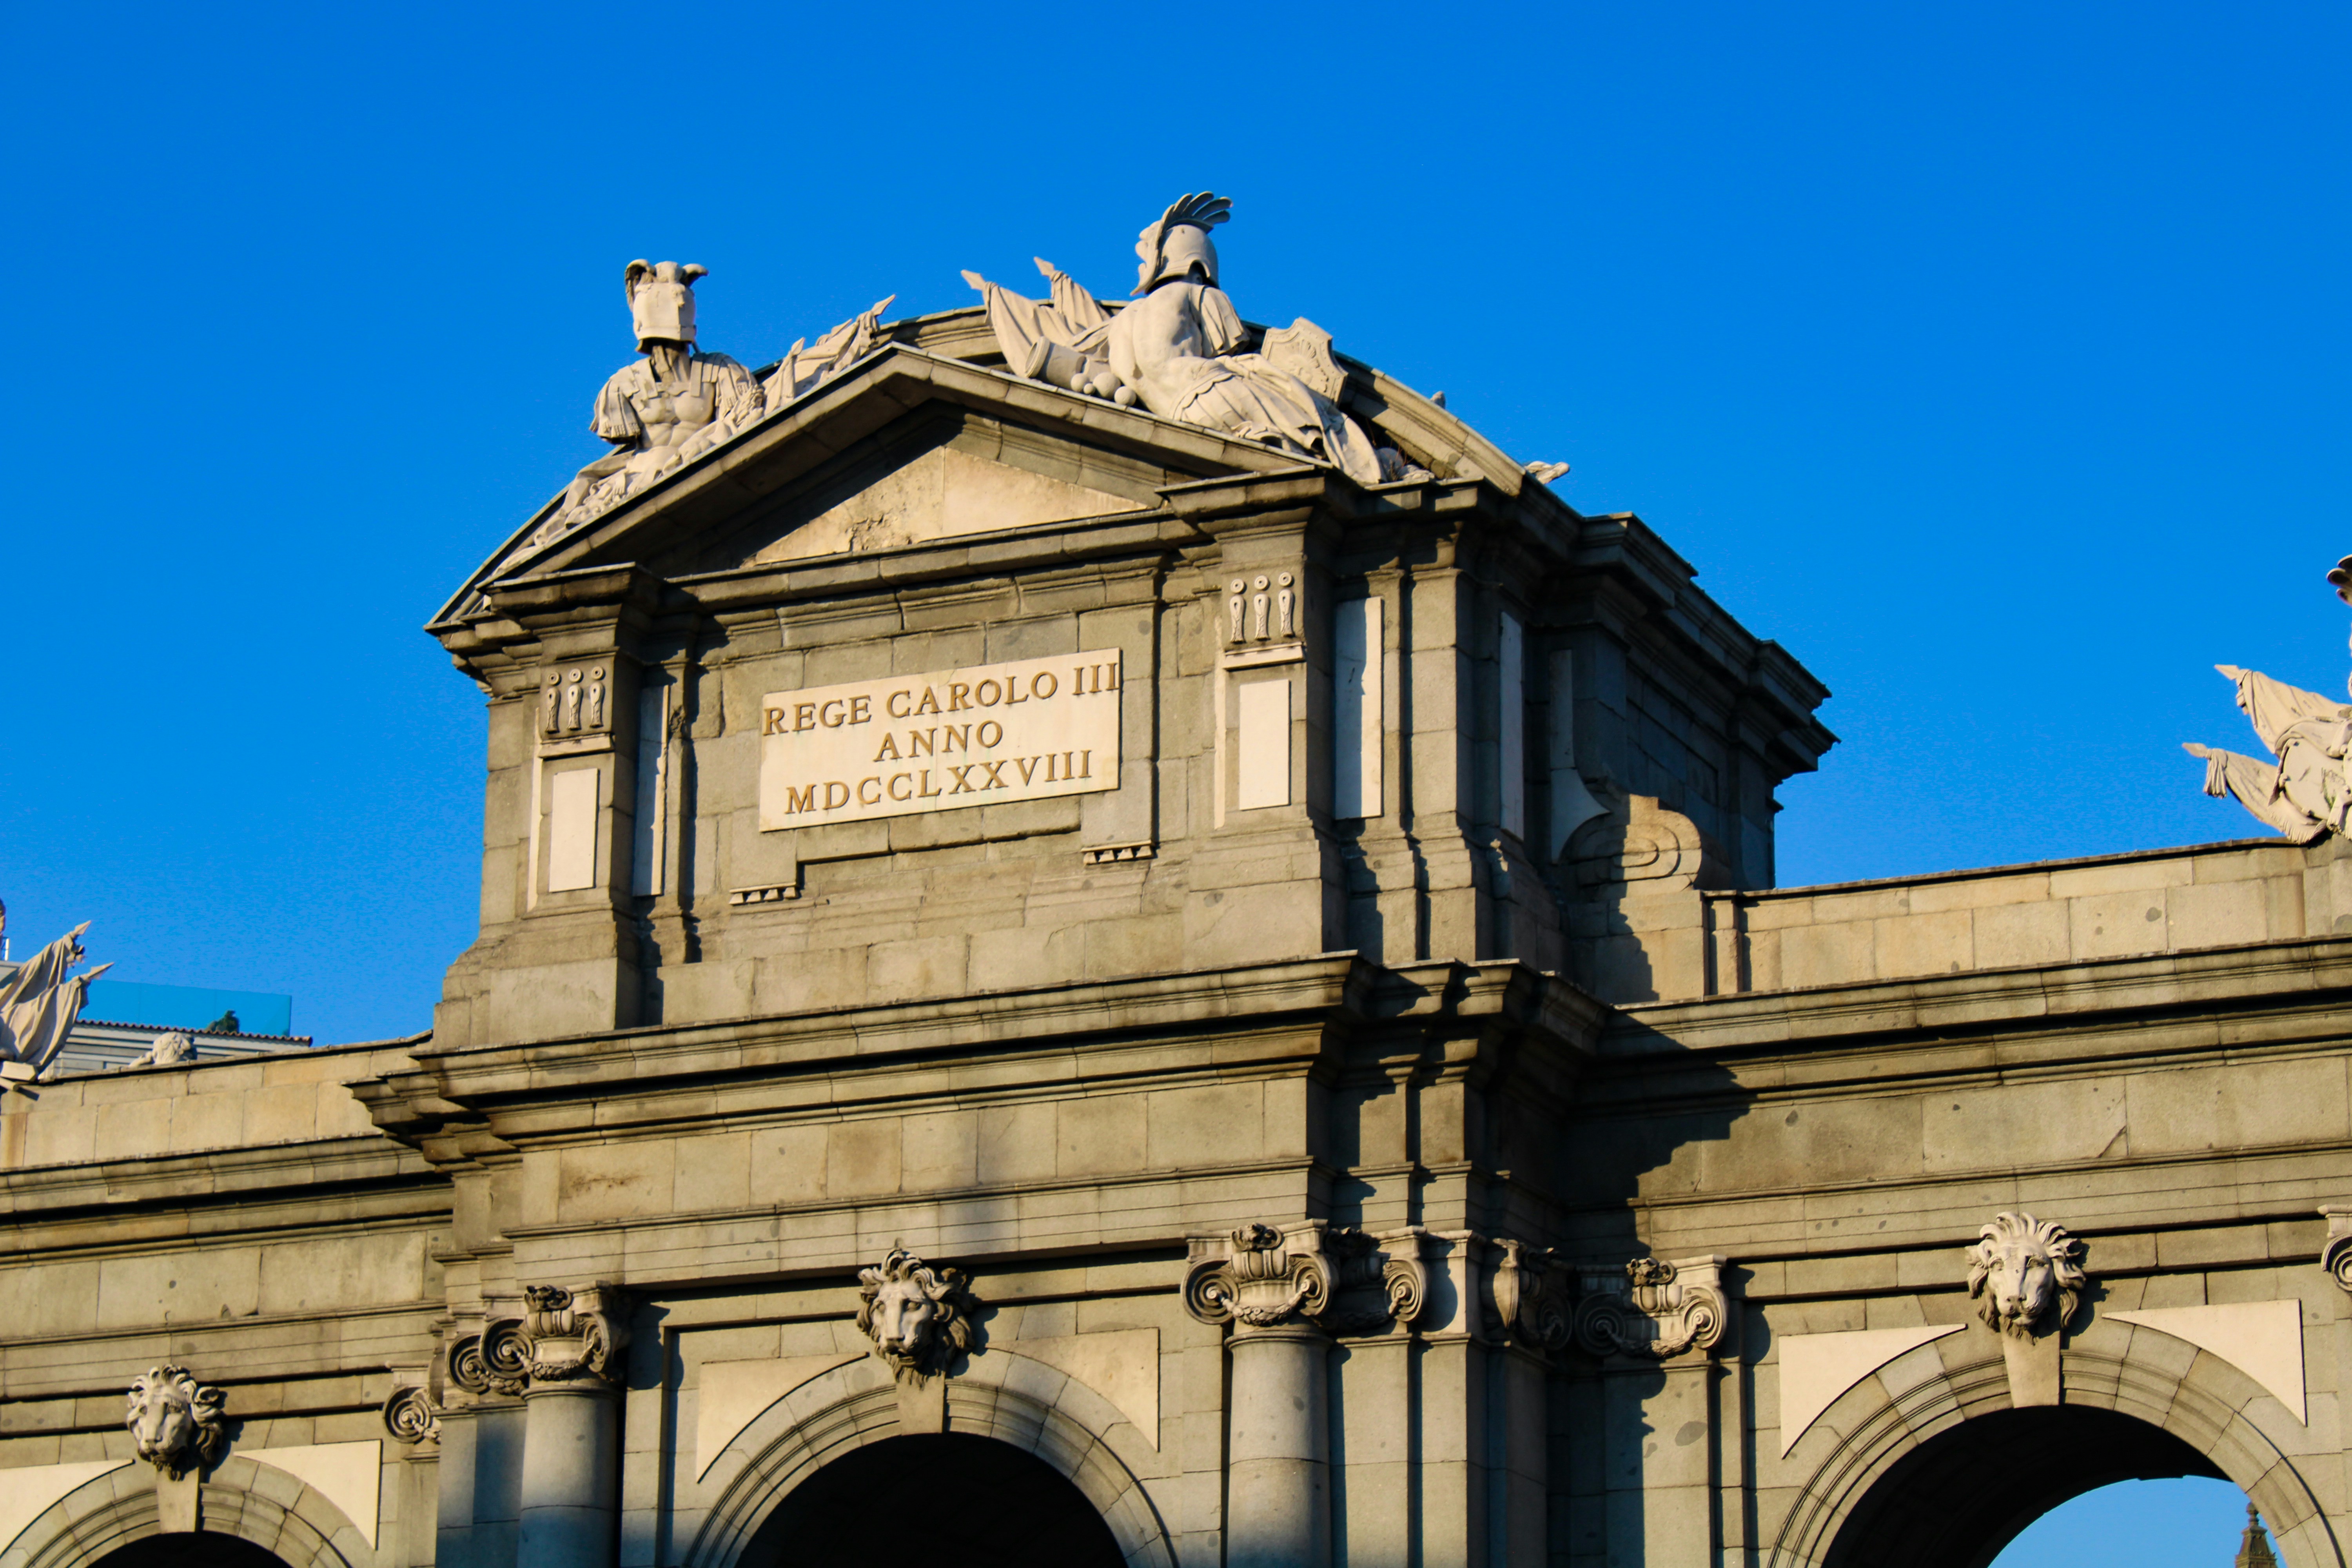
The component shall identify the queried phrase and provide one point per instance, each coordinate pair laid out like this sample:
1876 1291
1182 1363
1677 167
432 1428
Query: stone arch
2175 1399
1005 1397
254 1502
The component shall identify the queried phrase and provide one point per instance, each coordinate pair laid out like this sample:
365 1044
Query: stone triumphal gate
1107 937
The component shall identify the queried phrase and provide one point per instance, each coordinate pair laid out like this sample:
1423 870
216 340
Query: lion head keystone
919 1317
178 1422
2025 1274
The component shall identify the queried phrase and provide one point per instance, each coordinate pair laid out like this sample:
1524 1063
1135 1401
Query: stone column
1656 1328
572 1428
1284 1293
1277 1466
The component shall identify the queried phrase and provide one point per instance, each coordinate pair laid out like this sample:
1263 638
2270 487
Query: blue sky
1990 359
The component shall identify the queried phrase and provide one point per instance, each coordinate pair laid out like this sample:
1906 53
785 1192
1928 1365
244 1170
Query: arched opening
987 1504
1960 1497
202 1550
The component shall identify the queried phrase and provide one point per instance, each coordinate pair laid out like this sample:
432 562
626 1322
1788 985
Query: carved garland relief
574 700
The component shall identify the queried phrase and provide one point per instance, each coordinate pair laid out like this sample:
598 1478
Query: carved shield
1304 349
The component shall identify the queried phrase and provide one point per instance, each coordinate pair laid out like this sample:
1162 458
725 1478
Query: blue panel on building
188 1007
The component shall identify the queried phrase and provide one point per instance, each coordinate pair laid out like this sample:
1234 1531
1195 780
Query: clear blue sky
1989 358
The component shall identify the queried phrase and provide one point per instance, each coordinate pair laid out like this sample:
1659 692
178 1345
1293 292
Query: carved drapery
1651 1307
1344 1282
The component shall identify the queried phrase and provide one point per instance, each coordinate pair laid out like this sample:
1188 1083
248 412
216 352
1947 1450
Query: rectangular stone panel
571 830
939 741
1356 703
1263 774
1511 733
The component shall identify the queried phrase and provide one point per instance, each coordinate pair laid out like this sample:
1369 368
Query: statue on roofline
38 1003
2304 793
1182 350
676 404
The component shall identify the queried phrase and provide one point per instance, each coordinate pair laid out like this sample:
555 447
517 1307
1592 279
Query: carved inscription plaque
939 741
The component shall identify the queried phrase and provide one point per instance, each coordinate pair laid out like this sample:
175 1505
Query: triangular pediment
946 492
906 448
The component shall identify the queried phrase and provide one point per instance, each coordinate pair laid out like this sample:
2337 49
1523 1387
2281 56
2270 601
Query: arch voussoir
2212 1408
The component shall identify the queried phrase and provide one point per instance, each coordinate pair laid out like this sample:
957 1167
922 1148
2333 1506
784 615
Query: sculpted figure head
661 301
175 1420
2020 1269
919 1317
1178 245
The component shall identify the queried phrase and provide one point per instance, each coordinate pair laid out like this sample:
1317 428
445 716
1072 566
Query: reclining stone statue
1181 350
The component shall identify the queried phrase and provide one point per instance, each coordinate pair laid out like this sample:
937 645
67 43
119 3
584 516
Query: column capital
574 1336
1651 1309
2335 1253
1261 1278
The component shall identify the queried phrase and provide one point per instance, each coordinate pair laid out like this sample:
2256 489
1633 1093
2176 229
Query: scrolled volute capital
1650 1307
2335 1253
409 1415
1341 1280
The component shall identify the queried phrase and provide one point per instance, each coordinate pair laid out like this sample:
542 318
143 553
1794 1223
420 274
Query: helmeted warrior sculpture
38 1003
676 404
668 407
2305 794
1183 352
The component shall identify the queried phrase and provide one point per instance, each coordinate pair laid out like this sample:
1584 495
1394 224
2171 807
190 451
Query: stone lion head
177 1421
2020 1269
919 1317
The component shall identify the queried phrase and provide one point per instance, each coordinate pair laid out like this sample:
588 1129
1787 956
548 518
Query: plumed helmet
661 300
1179 242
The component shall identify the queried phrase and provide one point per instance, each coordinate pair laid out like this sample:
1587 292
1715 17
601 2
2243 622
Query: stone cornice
2084 1009
1301 1015
44 1193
